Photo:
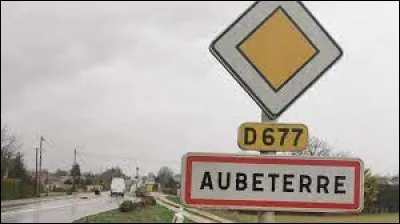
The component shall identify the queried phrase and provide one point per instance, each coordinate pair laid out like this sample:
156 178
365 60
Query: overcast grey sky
133 83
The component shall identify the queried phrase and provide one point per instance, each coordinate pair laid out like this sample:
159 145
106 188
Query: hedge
16 189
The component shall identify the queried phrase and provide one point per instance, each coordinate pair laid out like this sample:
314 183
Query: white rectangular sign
272 183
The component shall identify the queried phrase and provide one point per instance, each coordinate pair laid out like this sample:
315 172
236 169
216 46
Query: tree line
18 184
81 180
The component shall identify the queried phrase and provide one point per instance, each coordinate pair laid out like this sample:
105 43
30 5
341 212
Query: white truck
117 186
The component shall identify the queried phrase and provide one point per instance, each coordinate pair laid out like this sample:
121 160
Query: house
94 187
57 182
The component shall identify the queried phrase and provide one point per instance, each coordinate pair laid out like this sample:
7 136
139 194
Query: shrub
126 206
59 189
139 205
152 200
140 193
148 201
68 181
172 191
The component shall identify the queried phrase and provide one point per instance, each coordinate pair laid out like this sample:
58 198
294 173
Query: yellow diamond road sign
276 50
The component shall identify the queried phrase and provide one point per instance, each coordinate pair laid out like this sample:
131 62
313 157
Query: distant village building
53 182
177 180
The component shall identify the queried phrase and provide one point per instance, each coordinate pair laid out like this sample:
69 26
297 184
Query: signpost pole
266 217
246 42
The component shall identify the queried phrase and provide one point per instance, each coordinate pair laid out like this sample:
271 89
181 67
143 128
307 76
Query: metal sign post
266 216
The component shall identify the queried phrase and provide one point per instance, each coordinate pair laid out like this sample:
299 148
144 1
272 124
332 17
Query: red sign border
275 205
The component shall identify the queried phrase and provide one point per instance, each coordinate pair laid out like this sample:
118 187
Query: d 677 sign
272 137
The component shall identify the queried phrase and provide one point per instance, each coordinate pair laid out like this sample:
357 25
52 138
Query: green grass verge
153 214
174 199
280 218
251 218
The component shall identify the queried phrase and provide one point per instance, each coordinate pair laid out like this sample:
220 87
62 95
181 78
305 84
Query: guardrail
195 211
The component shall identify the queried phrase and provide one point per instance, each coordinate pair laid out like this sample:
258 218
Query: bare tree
151 176
319 147
164 176
143 179
10 144
17 168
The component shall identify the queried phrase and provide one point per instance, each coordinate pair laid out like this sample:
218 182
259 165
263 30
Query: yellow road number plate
272 137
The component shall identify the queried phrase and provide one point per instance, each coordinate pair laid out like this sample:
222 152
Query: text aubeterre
258 181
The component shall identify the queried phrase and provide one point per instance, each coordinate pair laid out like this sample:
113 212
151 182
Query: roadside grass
325 218
242 217
152 214
174 199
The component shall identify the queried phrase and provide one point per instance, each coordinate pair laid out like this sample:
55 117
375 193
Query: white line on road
46 208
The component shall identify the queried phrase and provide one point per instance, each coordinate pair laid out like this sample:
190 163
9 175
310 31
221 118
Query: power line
123 161
123 157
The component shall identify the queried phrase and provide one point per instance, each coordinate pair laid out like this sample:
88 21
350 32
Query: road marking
47 208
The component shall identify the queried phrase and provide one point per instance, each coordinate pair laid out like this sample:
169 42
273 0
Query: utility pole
47 183
137 177
266 216
36 172
73 171
40 160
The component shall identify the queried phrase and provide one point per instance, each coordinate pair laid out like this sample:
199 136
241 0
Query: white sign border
255 208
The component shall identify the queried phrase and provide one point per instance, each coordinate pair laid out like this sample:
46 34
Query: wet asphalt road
64 210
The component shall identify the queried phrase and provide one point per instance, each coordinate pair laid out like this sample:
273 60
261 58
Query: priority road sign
273 183
276 50
272 137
